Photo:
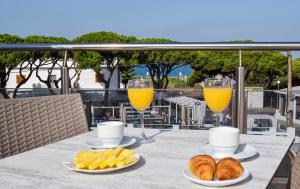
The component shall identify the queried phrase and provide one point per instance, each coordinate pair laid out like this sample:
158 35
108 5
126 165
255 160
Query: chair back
27 123
295 176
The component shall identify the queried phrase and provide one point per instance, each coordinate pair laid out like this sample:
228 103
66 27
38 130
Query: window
19 78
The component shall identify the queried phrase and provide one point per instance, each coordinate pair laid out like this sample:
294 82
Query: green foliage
195 77
89 59
126 70
211 63
175 82
38 59
160 63
263 67
8 60
95 60
45 40
296 71
104 37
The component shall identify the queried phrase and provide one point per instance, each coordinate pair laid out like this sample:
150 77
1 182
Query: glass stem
142 125
217 120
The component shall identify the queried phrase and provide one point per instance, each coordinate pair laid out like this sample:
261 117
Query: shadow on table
248 179
241 148
137 144
159 132
251 158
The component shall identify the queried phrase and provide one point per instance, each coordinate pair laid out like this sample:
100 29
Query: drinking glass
217 95
140 94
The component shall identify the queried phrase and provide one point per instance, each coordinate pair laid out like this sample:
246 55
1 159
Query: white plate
187 174
96 143
243 151
71 166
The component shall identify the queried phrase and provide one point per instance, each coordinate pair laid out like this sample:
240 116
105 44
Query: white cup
224 140
110 132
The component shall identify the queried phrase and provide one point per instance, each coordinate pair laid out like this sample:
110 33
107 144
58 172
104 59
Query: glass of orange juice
140 94
217 95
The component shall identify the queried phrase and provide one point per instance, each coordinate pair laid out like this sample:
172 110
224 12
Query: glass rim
216 79
209 83
140 80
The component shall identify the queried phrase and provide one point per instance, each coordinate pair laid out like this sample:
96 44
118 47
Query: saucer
243 151
96 143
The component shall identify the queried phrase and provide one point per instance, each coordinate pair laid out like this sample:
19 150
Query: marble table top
161 166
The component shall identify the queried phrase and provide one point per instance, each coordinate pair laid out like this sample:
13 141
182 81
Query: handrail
281 46
278 46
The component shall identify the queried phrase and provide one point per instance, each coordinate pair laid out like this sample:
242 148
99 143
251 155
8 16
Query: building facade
88 79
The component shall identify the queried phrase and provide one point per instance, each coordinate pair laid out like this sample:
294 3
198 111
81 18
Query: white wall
87 78
255 98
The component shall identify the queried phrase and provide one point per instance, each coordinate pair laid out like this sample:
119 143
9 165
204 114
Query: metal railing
239 119
281 46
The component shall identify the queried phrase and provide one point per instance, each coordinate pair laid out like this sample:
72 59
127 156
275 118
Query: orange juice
217 98
140 98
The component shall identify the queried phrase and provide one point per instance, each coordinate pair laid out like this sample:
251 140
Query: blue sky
181 20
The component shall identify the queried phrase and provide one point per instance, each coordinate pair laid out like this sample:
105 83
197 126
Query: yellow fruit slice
126 161
116 152
82 155
106 162
124 154
85 163
92 160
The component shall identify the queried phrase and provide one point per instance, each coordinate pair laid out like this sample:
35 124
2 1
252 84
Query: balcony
254 111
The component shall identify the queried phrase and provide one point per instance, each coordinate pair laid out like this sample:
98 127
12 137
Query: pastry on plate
228 168
203 167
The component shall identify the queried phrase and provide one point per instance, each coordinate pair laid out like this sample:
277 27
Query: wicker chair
295 176
27 123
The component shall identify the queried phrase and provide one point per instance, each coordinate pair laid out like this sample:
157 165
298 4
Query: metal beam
65 79
289 108
240 107
283 46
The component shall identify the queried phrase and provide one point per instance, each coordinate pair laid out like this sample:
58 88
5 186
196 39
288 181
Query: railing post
240 101
65 79
169 111
176 113
289 109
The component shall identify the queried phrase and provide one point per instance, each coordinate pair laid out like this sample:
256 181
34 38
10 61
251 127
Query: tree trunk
24 80
167 82
18 86
3 81
269 85
4 93
75 84
47 82
56 82
270 80
106 92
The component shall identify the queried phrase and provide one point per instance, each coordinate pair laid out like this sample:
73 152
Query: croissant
228 168
203 167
